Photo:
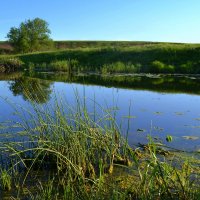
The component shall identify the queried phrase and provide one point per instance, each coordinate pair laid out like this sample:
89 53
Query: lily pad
198 119
130 117
140 130
179 113
158 113
195 126
158 128
191 137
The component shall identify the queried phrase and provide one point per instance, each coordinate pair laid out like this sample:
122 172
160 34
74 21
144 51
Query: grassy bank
118 58
153 58
61 152
10 64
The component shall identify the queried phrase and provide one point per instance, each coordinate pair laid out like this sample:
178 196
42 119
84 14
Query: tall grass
81 155
67 141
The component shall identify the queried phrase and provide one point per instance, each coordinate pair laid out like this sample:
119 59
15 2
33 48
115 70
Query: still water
157 105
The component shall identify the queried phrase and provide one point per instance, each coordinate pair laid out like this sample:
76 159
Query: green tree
32 35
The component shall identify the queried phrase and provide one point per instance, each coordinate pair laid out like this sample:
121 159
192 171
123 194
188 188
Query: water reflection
161 105
22 84
158 83
10 76
34 89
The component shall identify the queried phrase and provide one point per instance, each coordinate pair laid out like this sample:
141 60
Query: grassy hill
6 46
113 56
98 44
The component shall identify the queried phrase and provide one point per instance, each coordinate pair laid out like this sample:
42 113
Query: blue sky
137 20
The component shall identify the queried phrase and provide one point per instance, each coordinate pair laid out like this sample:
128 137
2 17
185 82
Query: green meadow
116 57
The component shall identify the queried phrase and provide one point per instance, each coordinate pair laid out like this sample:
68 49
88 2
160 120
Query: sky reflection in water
154 112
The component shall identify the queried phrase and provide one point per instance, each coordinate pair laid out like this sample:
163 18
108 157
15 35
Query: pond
143 105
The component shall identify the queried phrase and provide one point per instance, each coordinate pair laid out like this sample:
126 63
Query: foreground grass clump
67 143
71 153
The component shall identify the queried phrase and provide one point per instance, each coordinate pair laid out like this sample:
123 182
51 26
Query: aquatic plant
81 154
5 180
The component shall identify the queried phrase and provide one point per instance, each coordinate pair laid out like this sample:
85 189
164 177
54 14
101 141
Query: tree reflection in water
32 89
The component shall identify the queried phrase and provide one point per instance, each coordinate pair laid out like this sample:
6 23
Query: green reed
80 155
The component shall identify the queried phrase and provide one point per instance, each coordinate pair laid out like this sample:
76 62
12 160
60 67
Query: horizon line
119 41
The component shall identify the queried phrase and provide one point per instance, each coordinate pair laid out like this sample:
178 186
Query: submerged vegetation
70 153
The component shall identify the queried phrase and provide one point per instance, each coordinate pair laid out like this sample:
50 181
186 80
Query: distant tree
32 35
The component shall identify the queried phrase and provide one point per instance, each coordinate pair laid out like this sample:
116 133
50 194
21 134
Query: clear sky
141 20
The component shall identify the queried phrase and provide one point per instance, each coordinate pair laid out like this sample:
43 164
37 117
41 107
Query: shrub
74 64
64 65
119 67
157 67
186 68
138 67
104 69
168 69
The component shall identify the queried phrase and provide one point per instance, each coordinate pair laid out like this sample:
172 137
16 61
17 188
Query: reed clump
82 155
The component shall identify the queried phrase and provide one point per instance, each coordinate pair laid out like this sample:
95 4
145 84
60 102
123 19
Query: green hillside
111 57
